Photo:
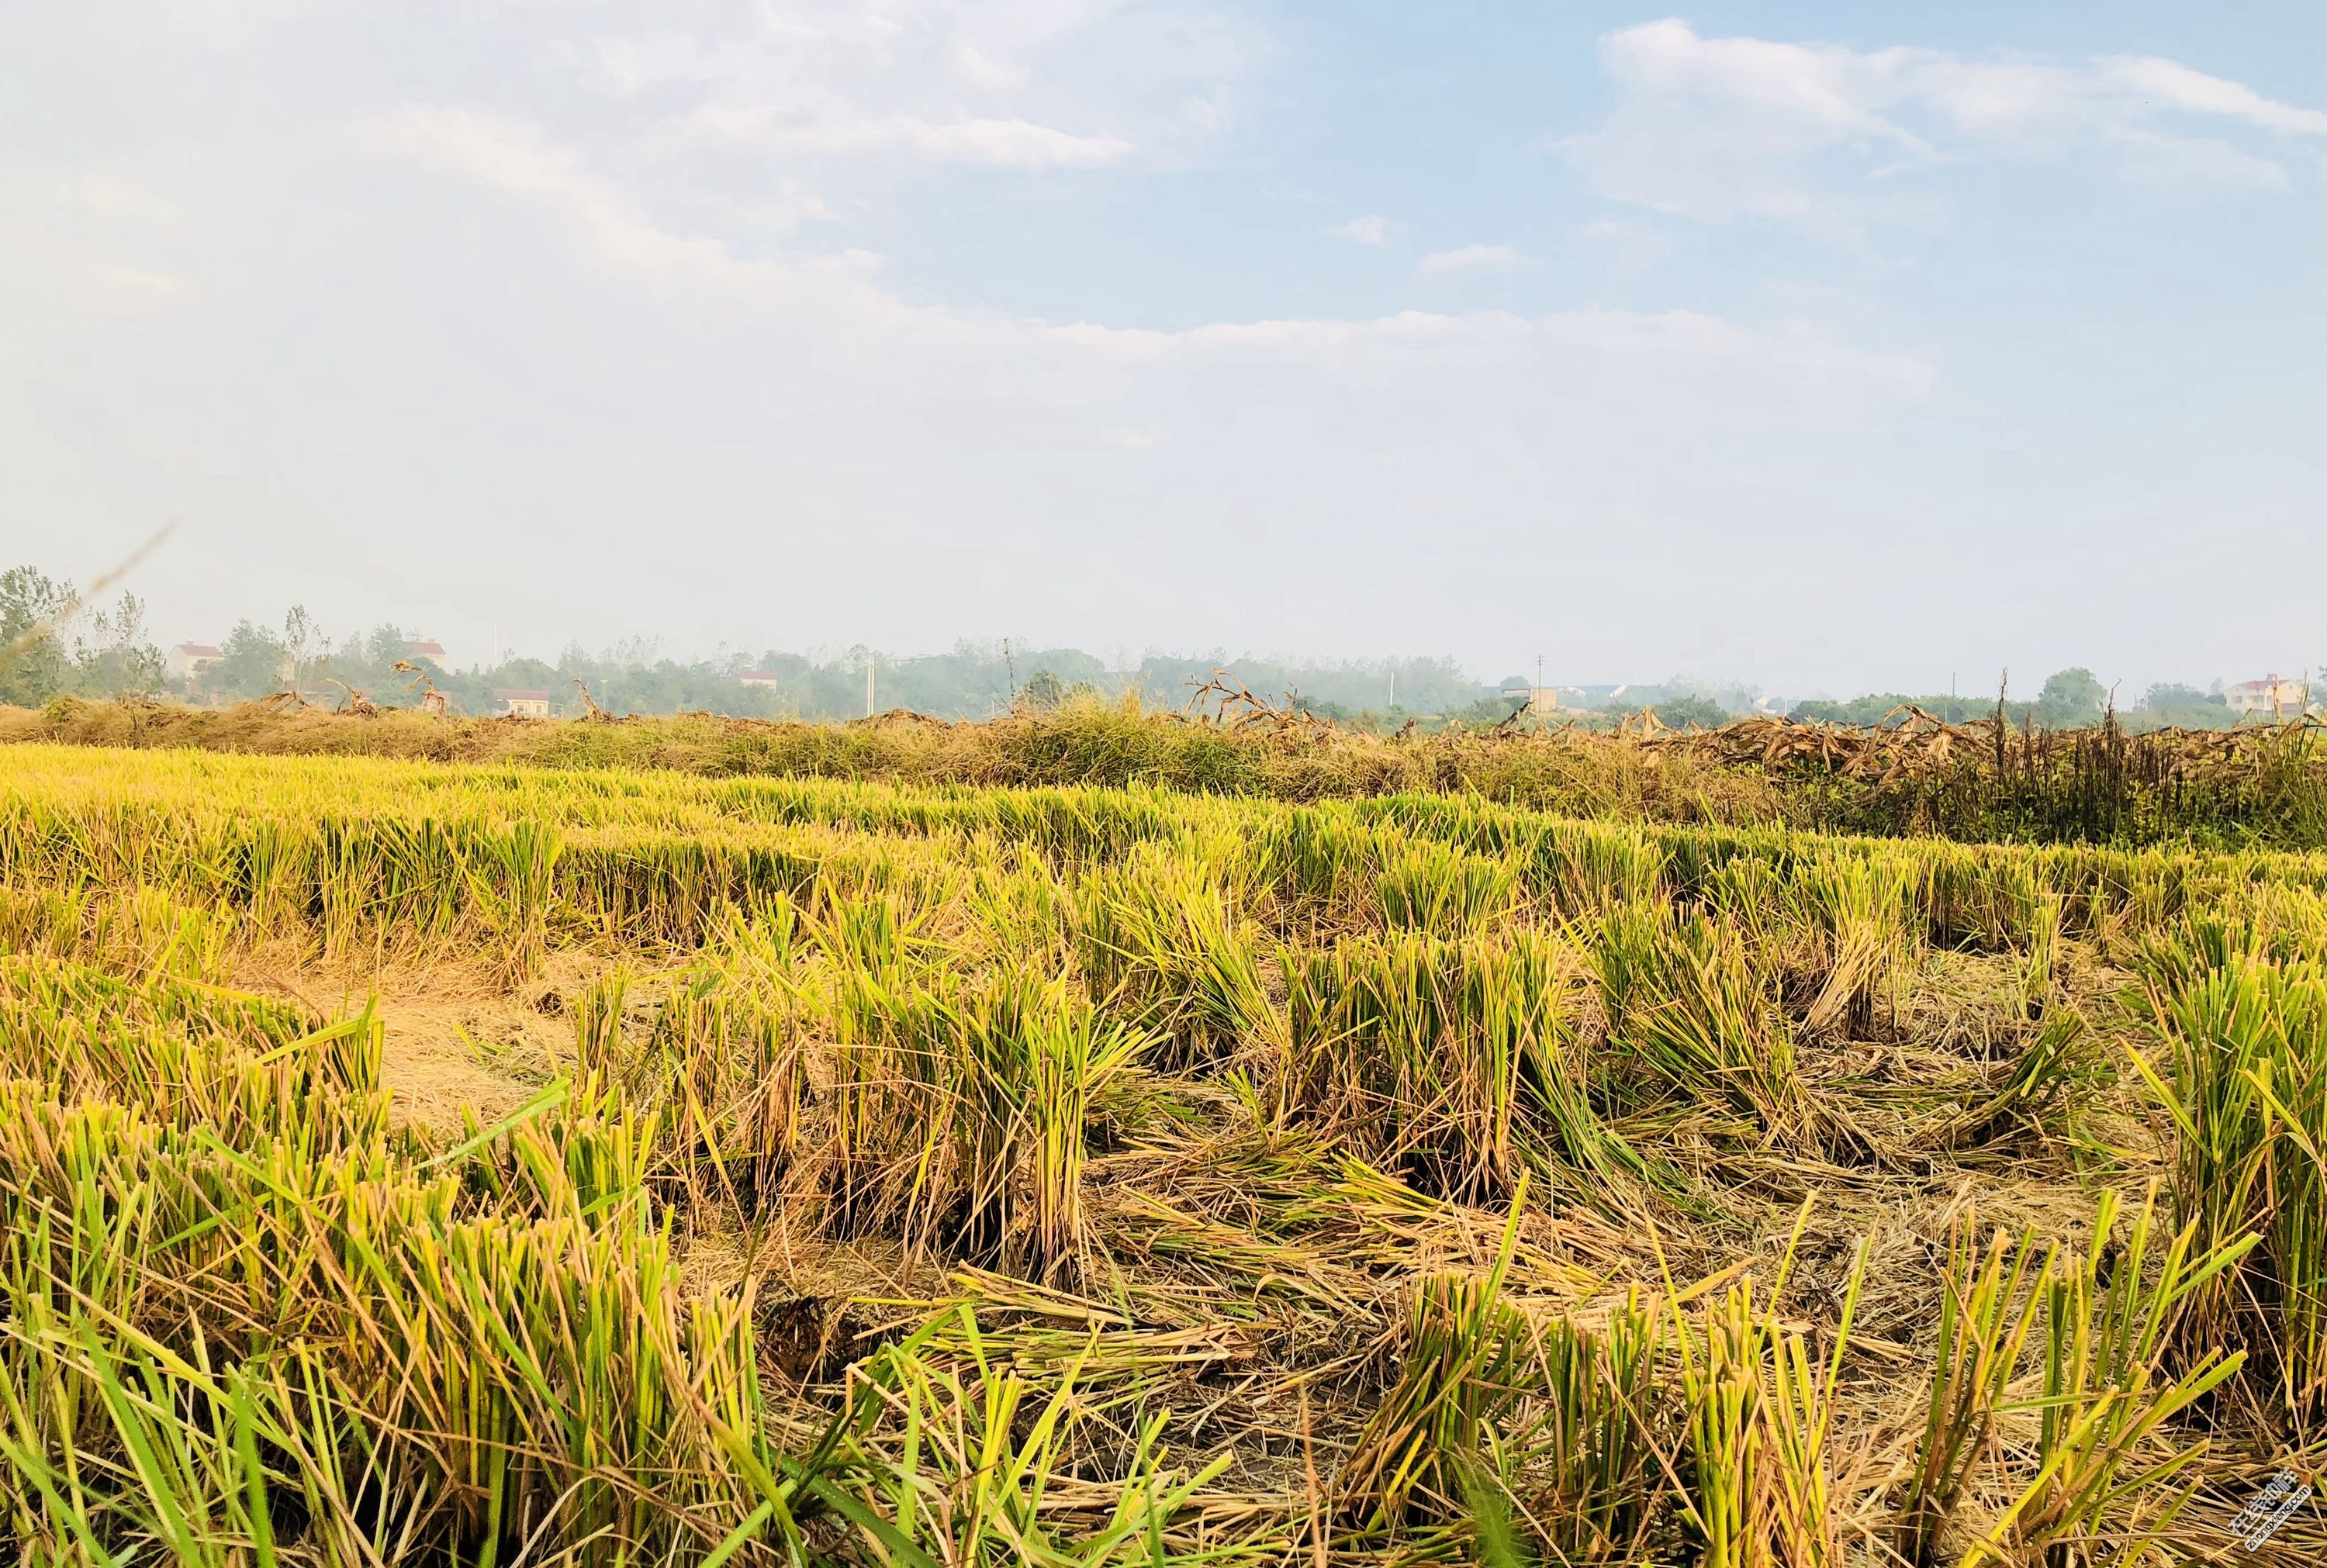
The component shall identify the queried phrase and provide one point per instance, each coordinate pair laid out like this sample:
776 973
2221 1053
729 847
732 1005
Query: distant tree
33 667
384 647
2070 698
367 664
116 658
1732 697
636 652
253 663
1045 690
1487 712
1883 707
1691 711
305 643
2171 695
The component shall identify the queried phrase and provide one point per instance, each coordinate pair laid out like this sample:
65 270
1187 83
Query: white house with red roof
188 660
2274 694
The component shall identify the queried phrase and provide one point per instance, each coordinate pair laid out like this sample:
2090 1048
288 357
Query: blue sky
1815 346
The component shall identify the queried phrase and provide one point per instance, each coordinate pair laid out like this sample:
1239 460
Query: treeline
51 645
2070 699
70 651
56 646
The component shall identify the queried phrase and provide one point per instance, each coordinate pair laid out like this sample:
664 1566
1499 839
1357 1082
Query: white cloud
2201 94
997 143
1470 258
1208 116
1089 364
508 155
1805 93
101 235
1369 230
2195 163
1374 345
1796 351
979 69
1031 84
1719 129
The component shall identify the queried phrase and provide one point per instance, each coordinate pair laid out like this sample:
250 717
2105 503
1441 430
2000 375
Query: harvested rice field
480 1162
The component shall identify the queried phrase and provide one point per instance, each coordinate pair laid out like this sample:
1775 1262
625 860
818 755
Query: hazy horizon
1120 661
1125 661
1822 349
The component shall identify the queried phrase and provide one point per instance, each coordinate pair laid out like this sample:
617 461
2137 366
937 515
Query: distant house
2272 693
426 653
765 679
188 660
1546 700
522 705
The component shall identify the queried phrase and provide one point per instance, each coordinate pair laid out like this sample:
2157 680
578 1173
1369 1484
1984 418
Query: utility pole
1392 687
870 661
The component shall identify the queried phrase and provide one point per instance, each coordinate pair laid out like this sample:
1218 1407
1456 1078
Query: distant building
188 660
1546 700
426 653
522 705
2272 693
766 678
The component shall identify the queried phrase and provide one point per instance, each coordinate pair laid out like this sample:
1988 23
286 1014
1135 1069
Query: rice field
474 1163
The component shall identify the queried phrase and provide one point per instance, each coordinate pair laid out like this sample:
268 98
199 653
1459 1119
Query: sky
1824 347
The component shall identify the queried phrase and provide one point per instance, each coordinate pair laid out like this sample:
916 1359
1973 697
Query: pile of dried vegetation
2264 785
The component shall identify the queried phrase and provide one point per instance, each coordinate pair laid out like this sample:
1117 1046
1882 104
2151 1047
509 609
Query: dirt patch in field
442 1054
453 1039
